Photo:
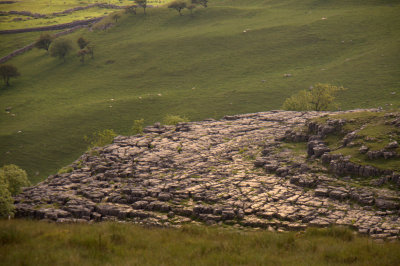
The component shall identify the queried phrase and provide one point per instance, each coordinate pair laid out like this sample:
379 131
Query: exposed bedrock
233 171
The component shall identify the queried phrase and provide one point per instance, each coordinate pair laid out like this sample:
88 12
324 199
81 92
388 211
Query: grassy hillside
32 243
46 7
201 66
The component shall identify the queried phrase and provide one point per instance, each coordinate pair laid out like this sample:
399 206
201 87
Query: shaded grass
202 67
33 242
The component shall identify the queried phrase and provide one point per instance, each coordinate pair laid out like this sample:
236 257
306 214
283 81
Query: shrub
174 119
100 138
137 127
319 98
14 177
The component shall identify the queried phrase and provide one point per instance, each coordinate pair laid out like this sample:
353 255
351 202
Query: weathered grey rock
392 145
364 149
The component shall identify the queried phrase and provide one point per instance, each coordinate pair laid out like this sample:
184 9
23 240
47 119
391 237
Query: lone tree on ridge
7 72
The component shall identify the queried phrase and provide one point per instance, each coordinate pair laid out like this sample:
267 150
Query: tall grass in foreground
40 243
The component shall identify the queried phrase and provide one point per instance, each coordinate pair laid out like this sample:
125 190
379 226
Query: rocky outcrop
234 171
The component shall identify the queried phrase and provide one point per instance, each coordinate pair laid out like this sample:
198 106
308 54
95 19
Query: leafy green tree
61 48
6 201
137 127
142 4
178 6
14 177
82 42
44 42
318 98
100 138
7 72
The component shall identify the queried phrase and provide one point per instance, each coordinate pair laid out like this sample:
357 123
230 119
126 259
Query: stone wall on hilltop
235 171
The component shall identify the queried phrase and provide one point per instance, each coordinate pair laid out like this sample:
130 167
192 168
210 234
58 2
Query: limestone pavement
235 171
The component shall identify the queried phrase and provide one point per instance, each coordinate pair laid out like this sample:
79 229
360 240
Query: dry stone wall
235 171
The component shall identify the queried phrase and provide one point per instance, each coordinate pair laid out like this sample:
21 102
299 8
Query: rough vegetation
236 171
27 242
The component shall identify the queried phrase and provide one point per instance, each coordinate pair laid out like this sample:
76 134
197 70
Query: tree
44 42
191 7
82 53
178 6
116 16
14 177
200 2
143 4
60 48
7 72
320 97
82 42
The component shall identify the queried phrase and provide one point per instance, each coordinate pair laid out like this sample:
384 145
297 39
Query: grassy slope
56 104
41 243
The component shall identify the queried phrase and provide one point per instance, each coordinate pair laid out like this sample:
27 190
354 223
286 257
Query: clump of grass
100 138
174 119
65 170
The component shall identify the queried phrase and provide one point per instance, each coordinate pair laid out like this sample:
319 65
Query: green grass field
201 66
40 243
